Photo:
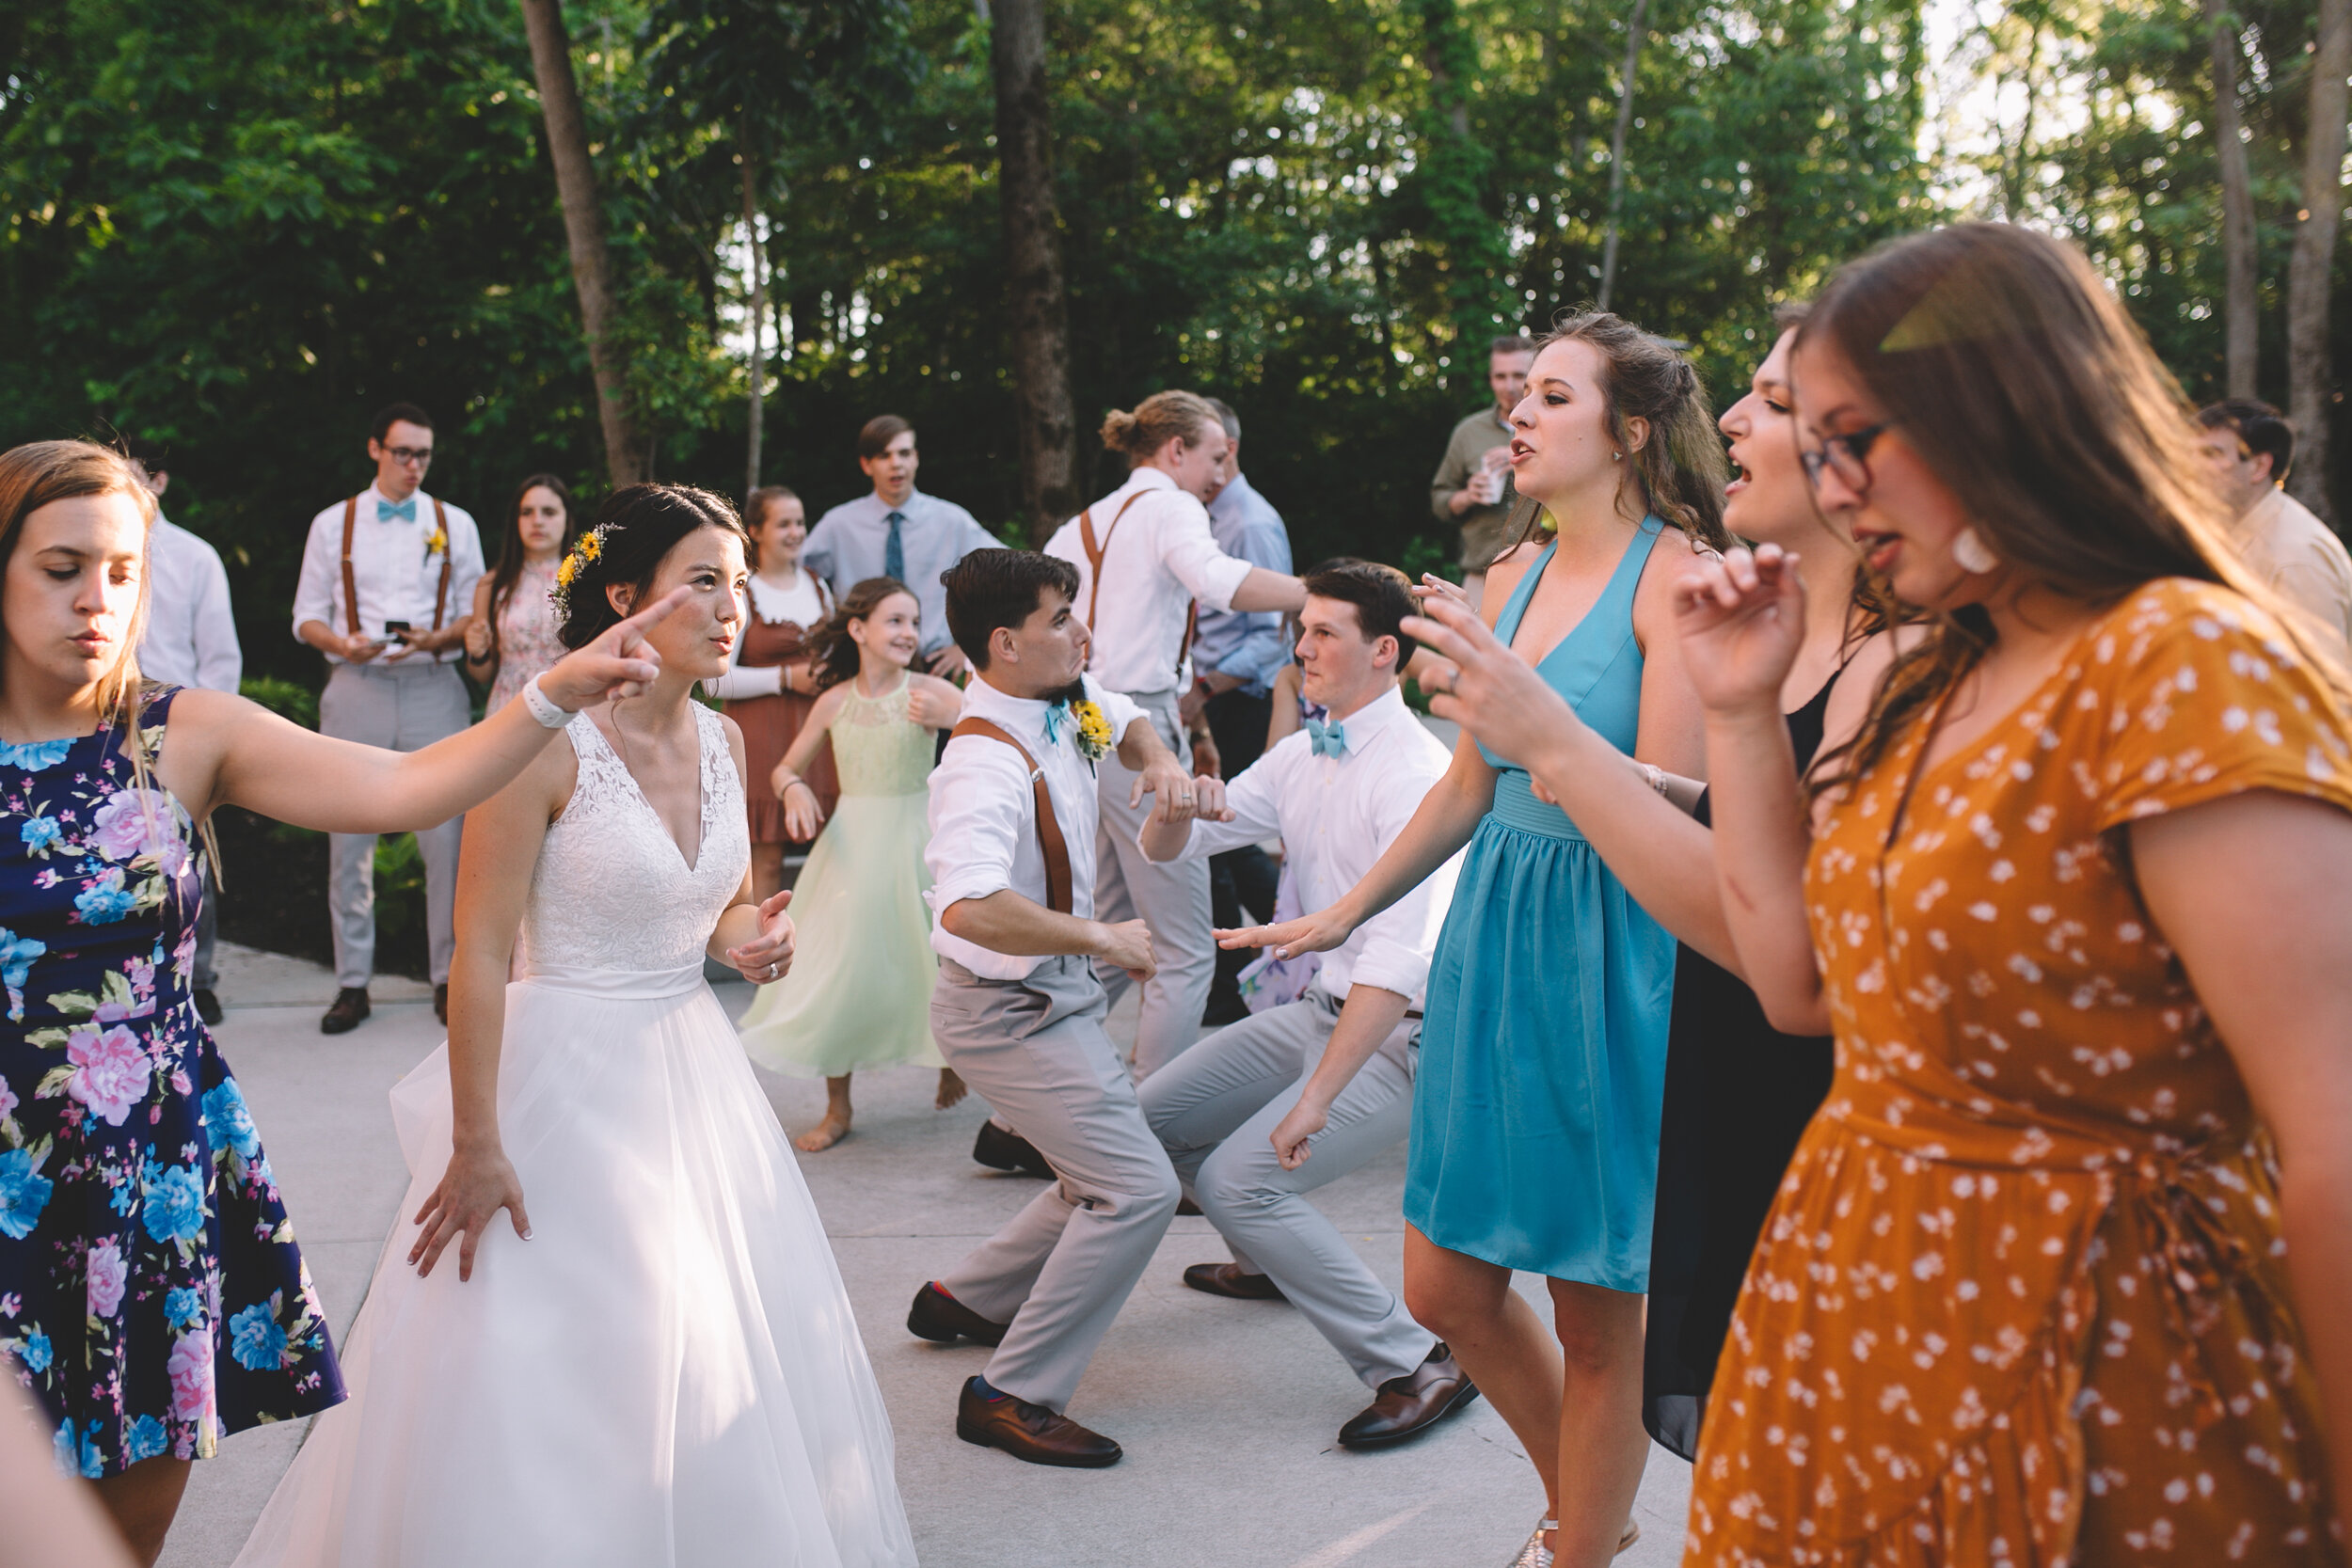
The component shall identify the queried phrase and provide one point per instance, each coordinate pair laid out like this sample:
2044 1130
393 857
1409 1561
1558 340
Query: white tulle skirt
666 1374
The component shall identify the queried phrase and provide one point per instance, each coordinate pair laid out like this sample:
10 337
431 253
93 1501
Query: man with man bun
1146 564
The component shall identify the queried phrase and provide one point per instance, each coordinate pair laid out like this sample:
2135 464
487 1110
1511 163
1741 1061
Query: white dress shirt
2298 557
1160 559
396 579
983 816
191 637
1336 818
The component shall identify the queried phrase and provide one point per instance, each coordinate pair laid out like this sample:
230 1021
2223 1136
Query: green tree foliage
239 228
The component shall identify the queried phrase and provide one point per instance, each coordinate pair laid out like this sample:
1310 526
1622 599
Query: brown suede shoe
1029 1432
1226 1279
942 1319
1412 1403
351 1006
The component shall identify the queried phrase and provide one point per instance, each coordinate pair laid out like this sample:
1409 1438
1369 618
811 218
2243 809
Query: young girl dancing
860 995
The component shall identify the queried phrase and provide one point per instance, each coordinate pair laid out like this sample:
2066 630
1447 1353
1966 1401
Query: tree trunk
2309 404
583 226
758 315
2238 304
1033 265
1617 151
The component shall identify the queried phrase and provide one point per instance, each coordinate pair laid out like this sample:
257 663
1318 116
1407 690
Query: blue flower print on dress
230 1120
255 1339
78 1457
182 1308
34 1352
37 755
103 899
23 1192
148 1438
40 835
16 966
174 1204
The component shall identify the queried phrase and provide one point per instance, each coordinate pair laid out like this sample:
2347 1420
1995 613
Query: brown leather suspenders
1049 836
1094 573
351 585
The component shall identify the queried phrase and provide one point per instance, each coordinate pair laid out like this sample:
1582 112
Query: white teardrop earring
1971 554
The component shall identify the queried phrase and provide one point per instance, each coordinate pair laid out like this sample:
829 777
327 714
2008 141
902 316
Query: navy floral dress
151 1291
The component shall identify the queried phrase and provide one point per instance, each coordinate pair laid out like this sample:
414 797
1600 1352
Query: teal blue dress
1543 1053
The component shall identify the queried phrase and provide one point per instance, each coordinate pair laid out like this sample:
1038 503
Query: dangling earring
1971 554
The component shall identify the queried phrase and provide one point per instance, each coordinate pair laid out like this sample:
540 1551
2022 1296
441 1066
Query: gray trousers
1061 1271
1215 1111
403 707
1172 898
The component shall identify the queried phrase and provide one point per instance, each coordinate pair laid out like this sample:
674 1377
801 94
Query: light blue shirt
1246 645
847 546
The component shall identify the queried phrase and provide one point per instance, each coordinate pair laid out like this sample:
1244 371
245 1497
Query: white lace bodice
612 892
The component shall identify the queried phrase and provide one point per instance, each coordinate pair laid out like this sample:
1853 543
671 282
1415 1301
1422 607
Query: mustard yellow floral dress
2022 1299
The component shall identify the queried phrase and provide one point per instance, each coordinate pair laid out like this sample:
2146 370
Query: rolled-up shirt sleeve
1190 552
981 802
314 590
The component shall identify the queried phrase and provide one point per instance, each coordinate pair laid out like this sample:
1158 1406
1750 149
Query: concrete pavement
1227 1409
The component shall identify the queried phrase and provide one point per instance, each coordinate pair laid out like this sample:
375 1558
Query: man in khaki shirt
1472 487
2251 448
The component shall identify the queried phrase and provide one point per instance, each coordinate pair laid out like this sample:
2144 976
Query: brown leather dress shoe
942 1319
350 1007
1412 1403
1226 1279
1001 1151
1030 1432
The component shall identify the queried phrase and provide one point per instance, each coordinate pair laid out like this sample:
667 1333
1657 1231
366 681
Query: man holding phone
1472 485
388 577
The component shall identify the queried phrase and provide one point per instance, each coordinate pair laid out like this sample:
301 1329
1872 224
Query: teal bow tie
385 510
1054 717
1327 740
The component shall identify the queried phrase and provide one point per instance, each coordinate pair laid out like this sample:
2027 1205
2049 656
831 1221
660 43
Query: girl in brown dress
2057 1279
770 687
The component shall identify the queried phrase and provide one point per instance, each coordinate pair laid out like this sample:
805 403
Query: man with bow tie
1260 1113
388 576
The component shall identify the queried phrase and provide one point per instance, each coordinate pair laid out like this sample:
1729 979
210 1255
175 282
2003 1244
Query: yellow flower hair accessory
587 548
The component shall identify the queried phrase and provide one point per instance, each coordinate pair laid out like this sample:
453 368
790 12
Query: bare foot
951 1089
823 1136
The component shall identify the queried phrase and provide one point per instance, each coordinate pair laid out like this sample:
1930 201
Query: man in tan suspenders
388 576
1017 1010
1146 564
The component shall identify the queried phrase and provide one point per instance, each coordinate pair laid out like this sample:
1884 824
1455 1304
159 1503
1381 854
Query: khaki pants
401 707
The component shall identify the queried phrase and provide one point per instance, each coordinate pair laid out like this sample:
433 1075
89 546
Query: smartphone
396 631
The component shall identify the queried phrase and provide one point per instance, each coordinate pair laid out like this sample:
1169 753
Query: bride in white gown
656 1366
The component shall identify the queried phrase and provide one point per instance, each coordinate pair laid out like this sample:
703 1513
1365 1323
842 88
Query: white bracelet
542 706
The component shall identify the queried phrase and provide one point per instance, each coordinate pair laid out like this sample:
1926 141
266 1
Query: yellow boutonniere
436 543
1094 731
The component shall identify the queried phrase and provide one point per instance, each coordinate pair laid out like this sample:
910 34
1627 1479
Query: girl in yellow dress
858 994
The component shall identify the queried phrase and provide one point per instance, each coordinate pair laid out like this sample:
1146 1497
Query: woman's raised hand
618 664
1318 932
1742 619
768 956
1483 686
478 1183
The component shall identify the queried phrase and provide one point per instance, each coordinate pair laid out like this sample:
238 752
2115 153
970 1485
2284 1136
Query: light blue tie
385 510
1327 740
895 552
1054 717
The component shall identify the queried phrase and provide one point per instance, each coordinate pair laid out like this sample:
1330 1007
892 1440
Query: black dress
1739 1093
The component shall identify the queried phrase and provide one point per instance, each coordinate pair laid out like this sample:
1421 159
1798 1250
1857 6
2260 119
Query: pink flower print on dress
191 1370
135 822
7 1100
108 1274
110 1071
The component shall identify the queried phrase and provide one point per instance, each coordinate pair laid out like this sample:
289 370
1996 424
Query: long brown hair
830 646
1681 466
2017 378
39 473
509 571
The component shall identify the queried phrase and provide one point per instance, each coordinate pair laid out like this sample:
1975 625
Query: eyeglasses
417 455
1847 456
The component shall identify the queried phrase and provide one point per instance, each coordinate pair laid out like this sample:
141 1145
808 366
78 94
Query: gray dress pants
1171 897
403 707
1035 1050
1215 1110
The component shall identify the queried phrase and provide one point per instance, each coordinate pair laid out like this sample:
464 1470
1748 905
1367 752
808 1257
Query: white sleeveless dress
667 1372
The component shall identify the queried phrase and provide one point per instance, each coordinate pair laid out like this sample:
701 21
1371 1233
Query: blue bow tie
385 510
1327 740
1054 717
